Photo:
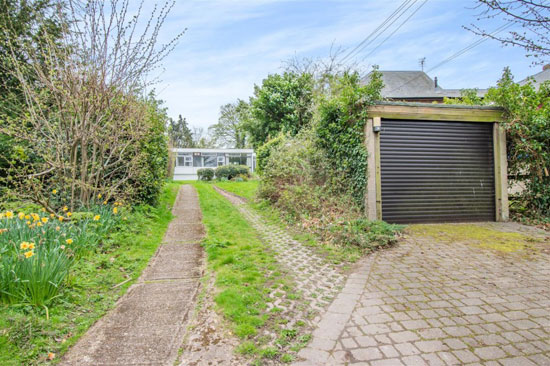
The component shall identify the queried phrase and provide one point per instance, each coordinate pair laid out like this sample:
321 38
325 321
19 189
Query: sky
231 45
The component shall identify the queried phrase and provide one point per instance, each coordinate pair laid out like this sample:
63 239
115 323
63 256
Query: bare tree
229 131
531 19
86 109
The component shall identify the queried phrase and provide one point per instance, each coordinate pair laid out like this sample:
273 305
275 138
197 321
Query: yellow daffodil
38 224
115 210
105 202
57 228
21 215
54 191
28 254
44 220
97 217
65 209
43 209
31 245
60 218
52 216
99 196
69 241
28 222
69 214
24 245
35 217
9 214
27 217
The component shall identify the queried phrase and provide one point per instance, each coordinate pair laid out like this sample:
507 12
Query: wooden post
370 194
501 173
377 122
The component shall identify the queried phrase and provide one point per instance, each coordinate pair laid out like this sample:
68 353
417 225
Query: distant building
538 78
188 161
415 86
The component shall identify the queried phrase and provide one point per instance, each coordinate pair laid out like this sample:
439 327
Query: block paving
425 302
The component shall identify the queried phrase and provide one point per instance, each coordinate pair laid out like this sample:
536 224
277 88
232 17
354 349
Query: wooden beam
370 194
433 113
377 121
501 173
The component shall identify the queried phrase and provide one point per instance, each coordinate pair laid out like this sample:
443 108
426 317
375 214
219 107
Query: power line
375 31
457 54
399 27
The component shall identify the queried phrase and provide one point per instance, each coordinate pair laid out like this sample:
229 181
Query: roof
206 150
414 84
538 78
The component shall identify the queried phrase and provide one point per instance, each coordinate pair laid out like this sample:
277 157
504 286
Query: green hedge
205 173
229 172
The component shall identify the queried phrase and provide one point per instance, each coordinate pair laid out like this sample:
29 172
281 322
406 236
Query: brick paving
316 280
425 302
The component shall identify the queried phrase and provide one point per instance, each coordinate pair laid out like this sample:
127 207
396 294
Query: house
415 86
538 78
189 161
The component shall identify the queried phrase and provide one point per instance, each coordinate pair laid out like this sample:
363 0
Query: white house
188 161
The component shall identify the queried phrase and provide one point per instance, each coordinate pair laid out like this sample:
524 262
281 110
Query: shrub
228 172
265 150
205 174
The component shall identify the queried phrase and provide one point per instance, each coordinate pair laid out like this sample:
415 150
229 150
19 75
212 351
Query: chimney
546 67
435 82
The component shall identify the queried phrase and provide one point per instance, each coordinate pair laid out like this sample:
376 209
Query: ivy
340 131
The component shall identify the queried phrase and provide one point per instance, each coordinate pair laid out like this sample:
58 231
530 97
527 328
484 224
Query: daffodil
44 220
97 217
115 210
28 222
99 196
38 224
21 215
24 245
52 216
31 245
54 191
43 209
35 217
27 217
60 218
69 241
28 254
57 228
69 214
65 209
9 214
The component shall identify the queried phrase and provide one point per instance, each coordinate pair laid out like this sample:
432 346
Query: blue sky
231 45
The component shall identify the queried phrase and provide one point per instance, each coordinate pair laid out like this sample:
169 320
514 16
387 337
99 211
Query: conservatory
189 161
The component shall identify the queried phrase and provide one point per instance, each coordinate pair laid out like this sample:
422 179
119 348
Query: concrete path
148 324
429 302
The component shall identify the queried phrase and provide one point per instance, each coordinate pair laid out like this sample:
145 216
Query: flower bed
37 249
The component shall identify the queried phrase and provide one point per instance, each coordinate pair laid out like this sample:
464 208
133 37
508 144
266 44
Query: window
184 160
221 160
237 159
209 160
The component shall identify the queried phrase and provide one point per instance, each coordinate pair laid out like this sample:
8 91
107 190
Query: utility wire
457 54
375 31
386 28
396 29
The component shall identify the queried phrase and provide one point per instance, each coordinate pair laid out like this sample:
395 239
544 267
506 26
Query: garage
435 163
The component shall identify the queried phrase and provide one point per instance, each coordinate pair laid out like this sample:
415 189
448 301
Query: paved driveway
442 301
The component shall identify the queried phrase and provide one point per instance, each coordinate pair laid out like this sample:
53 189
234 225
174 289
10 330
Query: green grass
334 254
241 262
26 337
246 189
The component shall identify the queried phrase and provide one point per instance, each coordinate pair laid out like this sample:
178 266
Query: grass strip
26 337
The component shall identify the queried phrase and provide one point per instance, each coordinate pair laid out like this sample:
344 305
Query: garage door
437 171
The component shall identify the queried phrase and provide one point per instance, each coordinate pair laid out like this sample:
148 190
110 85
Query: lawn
95 282
246 189
245 270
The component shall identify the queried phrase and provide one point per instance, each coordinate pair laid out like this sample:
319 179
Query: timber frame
433 112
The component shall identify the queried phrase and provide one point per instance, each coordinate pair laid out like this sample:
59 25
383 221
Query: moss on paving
477 235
